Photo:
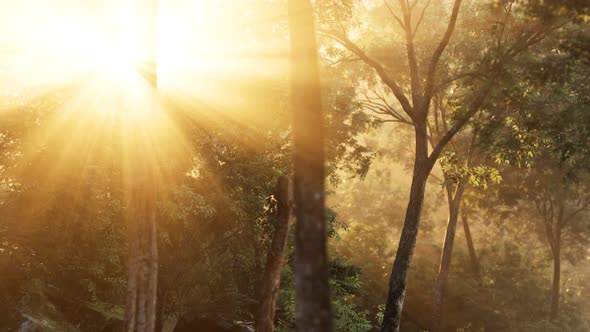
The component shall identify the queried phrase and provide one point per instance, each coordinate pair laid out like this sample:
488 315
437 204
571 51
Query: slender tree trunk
445 260
313 311
142 288
556 273
472 255
272 274
407 243
160 308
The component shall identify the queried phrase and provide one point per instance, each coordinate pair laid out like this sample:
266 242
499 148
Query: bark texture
445 260
313 311
401 266
142 285
272 273
418 112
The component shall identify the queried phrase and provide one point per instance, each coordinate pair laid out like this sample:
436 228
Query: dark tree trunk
556 272
313 311
445 260
274 264
401 266
472 254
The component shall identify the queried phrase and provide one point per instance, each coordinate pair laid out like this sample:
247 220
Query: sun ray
209 55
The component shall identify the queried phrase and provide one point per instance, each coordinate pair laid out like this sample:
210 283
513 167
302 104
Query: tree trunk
313 311
445 260
407 243
472 255
141 309
142 287
160 308
556 272
274 264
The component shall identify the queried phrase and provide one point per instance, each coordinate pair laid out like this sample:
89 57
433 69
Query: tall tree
312 290
141 310
275 259
142 284
416 106
415 99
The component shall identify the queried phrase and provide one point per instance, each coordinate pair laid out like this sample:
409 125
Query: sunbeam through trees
294 165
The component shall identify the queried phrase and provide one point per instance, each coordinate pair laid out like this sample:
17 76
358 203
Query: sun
122 49
47 46
201 47
208 53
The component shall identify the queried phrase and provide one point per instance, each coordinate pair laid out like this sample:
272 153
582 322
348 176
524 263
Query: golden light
207 52
44 43
76 62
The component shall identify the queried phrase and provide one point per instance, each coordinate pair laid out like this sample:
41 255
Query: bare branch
573 214
473 108
385 110
381 98
385 77
412 60
436 57
395 17
420 19
335 62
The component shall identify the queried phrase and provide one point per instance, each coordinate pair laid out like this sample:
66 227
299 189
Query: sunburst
207 52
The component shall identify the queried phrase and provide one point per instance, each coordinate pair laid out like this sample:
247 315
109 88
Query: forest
294 165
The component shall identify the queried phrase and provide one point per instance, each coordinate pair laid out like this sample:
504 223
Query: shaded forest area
295 165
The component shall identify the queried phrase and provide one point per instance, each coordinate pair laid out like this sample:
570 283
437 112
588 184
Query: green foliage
344 285
478 176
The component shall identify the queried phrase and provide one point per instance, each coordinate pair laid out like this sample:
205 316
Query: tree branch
420 19
572 215
429 87
473 108
335 62
391 84
380 105
395 17
412 60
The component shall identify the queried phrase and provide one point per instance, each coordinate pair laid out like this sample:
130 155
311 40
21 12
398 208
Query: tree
548 138
141 310
418 111
313 295
415 99
272 274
